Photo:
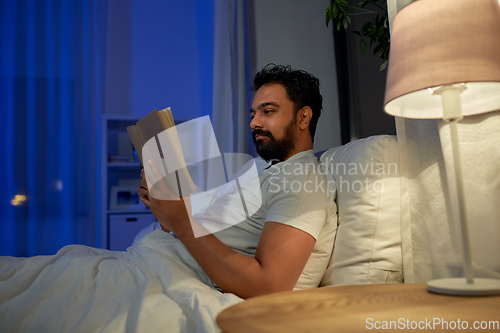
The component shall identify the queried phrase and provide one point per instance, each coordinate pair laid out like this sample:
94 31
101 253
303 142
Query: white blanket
155 286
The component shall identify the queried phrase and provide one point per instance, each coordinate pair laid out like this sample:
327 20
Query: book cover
155 138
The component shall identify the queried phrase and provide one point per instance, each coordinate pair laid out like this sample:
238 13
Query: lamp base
460 287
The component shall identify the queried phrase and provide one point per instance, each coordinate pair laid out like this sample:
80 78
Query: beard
275 150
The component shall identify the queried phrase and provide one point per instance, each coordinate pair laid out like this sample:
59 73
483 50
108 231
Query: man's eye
267 111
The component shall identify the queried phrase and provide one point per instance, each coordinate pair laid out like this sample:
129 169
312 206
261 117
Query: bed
155 285
151 287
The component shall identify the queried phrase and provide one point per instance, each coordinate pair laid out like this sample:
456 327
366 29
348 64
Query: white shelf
114 127
120 117
128 211
123 165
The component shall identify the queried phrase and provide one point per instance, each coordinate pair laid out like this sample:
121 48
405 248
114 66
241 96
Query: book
155 138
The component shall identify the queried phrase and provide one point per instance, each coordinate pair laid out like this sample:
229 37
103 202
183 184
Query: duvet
154 286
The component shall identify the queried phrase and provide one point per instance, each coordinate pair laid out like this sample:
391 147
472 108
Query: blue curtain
52 54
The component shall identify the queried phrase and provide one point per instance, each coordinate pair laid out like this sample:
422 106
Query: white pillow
311 276
367 248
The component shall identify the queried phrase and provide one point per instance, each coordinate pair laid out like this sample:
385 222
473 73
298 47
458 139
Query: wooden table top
358 308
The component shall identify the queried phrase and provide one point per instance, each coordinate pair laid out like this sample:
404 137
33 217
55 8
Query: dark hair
302 89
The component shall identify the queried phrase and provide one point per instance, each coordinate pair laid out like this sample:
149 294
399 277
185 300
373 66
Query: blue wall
171 57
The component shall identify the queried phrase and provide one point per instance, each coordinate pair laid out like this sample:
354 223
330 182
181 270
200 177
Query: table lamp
445 63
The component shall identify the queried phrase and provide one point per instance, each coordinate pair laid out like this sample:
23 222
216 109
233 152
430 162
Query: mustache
261 132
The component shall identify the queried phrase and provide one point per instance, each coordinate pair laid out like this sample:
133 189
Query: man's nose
256 122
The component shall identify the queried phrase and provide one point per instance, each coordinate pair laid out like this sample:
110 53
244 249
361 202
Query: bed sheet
154 286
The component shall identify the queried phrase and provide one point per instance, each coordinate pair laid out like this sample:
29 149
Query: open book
155 138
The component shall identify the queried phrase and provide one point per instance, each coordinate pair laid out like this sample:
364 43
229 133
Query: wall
160 56
293 32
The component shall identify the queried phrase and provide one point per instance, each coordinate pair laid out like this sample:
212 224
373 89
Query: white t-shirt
294 192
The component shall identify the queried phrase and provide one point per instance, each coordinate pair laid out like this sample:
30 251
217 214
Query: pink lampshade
443 42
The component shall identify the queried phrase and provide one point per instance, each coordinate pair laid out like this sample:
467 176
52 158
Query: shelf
116 142
123 117
129 211
124 164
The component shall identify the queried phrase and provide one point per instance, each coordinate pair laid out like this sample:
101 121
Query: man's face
273 123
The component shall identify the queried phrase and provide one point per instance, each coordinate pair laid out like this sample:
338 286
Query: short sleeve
298 196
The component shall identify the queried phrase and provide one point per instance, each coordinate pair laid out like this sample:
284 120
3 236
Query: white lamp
445 63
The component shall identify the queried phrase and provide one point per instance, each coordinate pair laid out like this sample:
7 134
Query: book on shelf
155 138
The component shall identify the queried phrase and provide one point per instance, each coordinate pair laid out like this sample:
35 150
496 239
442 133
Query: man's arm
281 254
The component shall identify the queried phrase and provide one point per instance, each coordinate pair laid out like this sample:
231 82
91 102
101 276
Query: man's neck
297 150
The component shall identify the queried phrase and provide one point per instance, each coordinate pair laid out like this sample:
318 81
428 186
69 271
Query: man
268 251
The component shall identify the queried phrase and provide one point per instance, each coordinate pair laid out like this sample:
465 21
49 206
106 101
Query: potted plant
376 30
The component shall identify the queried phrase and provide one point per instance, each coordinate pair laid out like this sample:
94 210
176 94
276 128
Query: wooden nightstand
360 308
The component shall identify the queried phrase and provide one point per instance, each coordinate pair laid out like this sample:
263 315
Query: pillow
312 273
367 247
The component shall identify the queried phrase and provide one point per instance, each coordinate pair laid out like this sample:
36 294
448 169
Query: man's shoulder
301 164
302 177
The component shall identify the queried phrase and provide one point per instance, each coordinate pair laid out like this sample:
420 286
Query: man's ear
304 117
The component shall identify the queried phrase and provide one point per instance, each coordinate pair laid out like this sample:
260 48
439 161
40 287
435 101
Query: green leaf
366 27
375 29
383 66
363 46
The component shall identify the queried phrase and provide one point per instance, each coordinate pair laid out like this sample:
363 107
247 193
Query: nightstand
361 308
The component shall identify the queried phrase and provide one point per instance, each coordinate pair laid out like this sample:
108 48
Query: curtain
232 98
51 81
431 237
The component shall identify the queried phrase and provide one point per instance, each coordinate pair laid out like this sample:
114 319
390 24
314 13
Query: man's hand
173 213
